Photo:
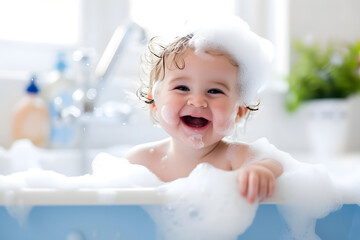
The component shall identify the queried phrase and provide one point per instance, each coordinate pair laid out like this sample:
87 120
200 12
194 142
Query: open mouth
194 122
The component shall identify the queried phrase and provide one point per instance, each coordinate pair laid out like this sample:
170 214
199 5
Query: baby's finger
243 183
253 188
271 189
263 189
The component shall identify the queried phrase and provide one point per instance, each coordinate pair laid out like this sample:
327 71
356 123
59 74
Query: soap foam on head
233 35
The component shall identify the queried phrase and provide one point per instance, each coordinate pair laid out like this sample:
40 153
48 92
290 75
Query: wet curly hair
154 63
156 59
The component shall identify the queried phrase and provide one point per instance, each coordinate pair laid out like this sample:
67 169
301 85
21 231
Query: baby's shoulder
237 153
144 152
237 146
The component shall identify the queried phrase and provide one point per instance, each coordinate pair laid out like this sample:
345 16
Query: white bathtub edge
105 196
108 196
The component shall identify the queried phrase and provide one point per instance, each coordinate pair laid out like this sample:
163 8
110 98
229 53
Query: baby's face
197 105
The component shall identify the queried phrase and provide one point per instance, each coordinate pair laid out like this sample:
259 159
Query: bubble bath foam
124 201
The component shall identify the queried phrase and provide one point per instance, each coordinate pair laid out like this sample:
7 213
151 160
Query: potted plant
321 80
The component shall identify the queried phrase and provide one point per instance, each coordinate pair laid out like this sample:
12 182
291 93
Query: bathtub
79 215
119 213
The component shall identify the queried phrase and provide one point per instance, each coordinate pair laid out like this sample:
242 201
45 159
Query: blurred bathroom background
38 36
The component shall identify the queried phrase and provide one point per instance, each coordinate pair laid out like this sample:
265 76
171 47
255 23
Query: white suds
233 35
206 205
197 141
201 207
307 192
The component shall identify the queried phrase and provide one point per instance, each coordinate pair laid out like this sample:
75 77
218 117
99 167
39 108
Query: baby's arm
256 180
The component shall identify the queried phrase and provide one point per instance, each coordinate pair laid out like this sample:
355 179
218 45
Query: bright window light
165 17
41 21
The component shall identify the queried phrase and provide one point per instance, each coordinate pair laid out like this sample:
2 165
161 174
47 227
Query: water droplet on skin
151 150
164 158
163 161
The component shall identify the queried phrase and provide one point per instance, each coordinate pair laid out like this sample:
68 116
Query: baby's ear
152 104
242 111
153 108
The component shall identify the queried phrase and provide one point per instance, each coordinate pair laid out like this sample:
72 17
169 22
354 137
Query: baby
199 87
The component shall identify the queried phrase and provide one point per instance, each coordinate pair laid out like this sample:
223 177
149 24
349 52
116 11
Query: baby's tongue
196 122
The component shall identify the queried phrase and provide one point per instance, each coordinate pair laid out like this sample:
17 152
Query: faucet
85 98
107 62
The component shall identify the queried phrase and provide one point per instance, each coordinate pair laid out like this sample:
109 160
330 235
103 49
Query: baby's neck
177 160
178 150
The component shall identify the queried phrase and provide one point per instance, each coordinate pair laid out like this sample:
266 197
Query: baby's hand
255 182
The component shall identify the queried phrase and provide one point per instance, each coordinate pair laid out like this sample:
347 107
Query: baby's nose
197 100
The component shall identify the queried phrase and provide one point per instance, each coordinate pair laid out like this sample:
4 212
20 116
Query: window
165 17
41 21
33 31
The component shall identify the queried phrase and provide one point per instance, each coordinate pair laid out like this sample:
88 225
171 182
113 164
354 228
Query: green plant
323 72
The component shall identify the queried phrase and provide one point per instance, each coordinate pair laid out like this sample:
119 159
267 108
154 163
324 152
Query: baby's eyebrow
178 79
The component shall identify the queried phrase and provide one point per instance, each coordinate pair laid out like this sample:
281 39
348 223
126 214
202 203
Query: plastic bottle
59 95
31 118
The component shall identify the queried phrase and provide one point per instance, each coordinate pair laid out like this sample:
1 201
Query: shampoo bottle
31 118
59 94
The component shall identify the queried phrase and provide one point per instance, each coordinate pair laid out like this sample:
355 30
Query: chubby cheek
224 120
167 111
168 115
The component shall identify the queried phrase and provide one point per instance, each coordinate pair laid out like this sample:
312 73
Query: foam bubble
21 156
119 172
200 207
197 141
233 35
307 192
207 204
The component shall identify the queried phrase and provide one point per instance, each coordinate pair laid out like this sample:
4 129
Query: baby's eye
182 88
215 91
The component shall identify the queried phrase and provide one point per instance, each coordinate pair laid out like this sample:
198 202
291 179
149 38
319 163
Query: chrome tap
108 60
85 98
